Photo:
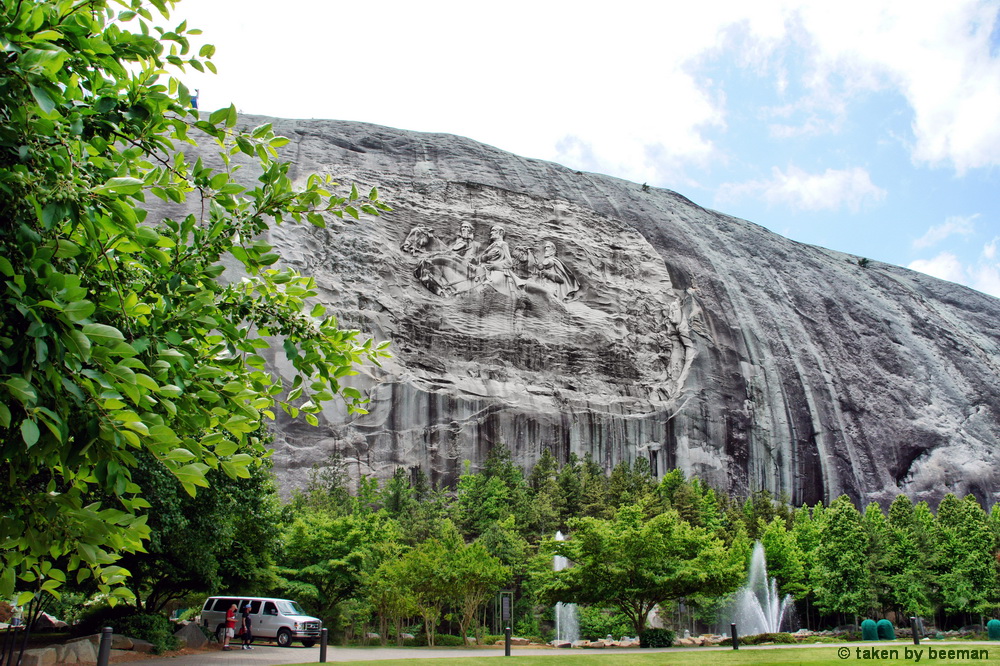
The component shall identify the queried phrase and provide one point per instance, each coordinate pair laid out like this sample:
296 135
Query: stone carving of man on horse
448 270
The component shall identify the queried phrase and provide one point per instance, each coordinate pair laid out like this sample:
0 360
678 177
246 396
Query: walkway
269 655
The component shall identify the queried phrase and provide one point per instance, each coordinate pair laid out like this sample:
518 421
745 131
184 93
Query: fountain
567 622
757 608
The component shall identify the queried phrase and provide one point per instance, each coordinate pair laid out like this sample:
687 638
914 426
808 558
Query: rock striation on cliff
537 306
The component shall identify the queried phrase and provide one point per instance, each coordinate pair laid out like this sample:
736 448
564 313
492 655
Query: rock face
540 307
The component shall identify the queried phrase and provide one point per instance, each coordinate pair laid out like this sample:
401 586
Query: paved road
267 655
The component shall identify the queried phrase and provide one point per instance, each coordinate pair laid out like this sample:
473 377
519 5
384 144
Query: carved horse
421 240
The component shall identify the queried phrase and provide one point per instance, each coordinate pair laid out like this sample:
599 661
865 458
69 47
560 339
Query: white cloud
982 275
831 190
526 76
945 266
940 58
986 278
963 226
990 249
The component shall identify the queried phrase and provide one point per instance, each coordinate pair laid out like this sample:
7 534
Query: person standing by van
230 627
245 627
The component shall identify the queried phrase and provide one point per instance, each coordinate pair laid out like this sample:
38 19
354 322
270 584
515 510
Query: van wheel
284 638
308 643
220 633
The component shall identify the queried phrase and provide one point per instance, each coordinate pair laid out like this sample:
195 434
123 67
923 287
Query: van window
224 604
208 603
291 608
270 608
255 607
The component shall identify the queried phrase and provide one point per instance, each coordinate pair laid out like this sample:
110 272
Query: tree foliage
118 335
840 568
634 564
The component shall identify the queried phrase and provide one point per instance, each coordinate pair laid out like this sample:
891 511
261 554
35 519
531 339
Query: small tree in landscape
426 576
478 576
118 335
634 564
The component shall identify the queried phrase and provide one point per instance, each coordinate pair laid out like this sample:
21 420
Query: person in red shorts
230 627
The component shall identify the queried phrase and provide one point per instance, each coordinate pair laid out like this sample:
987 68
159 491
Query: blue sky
868 127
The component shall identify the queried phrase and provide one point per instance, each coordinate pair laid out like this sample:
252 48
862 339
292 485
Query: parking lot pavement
269 655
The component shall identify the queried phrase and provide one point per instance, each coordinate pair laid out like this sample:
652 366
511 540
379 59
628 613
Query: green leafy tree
571 489
428 579
503 541
226 538
634 564
397 495
477 576
966 567
546 496
594 501
117 334
840 568
327 489
326 557
490 495
877 549
784 558
631 484
391 599
910 558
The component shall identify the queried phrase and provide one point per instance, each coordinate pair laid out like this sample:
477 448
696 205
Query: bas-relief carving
654 327
465 265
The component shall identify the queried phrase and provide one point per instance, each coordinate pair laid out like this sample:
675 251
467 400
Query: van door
268 621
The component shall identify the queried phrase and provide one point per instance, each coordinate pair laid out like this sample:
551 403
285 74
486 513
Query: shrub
156 629
869 631
597 622
758 639
653 638
440 640
993 629
886 632
96 617
7 612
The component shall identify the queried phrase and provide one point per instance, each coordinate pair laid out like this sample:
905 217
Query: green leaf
4 418
42 98
226 448
180 455
29 432
164 434
77 343
102 334
22 390
120 185
79 310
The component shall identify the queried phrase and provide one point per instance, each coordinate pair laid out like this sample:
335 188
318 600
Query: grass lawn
820 656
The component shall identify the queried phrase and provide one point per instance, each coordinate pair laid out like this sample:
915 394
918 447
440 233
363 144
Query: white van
281 620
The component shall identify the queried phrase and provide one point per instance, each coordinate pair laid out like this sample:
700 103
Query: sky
865 126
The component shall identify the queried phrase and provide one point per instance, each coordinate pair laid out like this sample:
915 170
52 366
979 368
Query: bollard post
736 639
505 616
323 637
913 628
104 651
